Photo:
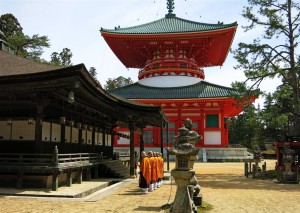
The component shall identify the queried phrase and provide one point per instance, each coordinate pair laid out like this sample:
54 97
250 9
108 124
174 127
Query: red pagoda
171 53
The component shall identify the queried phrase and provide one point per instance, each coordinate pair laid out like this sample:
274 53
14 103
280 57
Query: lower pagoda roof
203 89
202 92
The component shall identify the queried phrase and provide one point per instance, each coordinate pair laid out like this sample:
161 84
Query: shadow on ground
242 182
131 192
147 208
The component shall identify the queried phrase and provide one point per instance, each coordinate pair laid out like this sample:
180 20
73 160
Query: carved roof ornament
170 7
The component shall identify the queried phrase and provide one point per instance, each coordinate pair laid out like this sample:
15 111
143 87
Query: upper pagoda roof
208 44
170 24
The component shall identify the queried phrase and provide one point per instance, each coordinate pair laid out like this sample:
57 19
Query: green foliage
31 46
246 128
65 57
25 46
61 59
10 26
274 53
93 72
120 81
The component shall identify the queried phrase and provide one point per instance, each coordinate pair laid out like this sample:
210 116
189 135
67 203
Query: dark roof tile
202 89
15 65
169 25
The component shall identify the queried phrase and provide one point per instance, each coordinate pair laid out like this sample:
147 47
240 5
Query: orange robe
161 167
153 164
145 169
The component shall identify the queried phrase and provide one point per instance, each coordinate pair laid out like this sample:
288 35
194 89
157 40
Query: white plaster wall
108 142
68 134
84 136
169 81
46 131
23 131
75 135
99 138
55 132
4 130
89 137
212 138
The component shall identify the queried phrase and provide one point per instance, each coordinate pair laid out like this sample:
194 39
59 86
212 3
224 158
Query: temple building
57 123
171 54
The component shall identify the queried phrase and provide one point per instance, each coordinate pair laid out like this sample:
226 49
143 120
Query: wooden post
246 169
131 129
38 128
167 138
103 137
55 157
253 171
277 171
55 181
55 171
69 178
264 168
93 140
96 172
62 137
142 143
20 179
88 173
80 139
79 177
162 138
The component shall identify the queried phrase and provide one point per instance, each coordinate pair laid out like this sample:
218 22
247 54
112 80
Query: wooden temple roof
15 65
203 89
25 81
202 92
170 24
207 43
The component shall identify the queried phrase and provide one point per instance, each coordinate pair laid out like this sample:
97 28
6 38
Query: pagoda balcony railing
171 71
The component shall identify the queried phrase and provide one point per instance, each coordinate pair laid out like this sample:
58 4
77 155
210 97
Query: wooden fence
51 164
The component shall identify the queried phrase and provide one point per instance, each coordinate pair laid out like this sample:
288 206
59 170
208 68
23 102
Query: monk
160 169
145 173
156 158
153 164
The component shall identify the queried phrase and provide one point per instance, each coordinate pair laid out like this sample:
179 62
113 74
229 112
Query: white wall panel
212 138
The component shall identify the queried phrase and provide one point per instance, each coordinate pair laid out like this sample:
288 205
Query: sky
75 24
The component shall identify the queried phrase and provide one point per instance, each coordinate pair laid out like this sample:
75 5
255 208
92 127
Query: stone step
116 168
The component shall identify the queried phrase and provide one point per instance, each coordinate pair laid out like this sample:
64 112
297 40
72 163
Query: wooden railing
21 159
53 164
49 160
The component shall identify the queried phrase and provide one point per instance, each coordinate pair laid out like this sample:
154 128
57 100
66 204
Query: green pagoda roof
202 89
169 24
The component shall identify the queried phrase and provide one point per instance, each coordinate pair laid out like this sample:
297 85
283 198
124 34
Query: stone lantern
288 158
185 153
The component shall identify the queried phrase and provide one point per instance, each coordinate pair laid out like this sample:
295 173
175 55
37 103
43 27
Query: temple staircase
114 169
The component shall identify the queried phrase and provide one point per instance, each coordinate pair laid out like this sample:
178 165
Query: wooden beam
131 129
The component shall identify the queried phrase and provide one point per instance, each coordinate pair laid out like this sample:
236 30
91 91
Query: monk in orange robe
160 169
153 164
145 173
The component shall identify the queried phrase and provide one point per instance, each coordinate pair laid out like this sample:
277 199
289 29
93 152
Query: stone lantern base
183 201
